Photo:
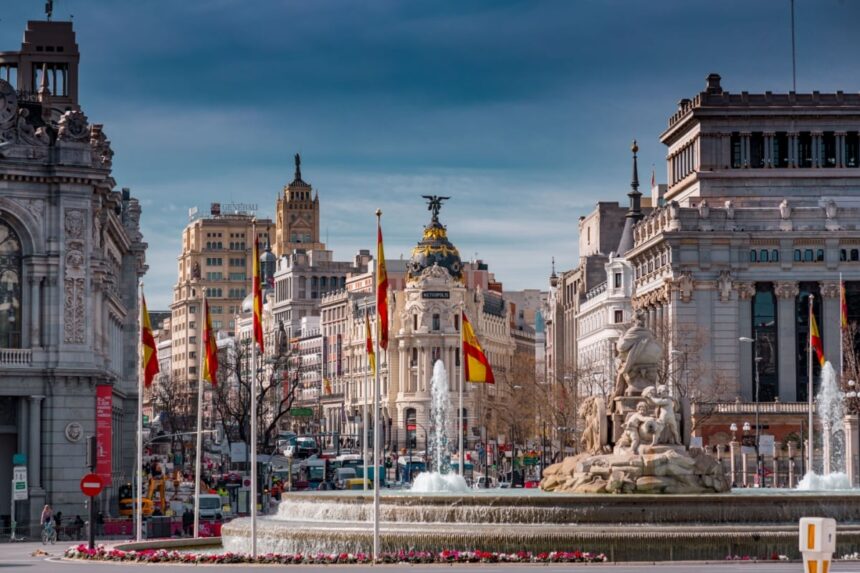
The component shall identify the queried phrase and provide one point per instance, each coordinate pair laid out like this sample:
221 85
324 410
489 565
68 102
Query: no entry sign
91 485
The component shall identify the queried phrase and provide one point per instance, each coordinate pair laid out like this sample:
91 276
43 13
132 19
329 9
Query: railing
750 408
593 292
16 357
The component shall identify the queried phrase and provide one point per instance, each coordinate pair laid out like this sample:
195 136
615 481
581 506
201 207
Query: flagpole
138 512
809 449
462 384
366 396
376 422
199 449
254 400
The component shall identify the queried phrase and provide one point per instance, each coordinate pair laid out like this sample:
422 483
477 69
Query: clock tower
297 223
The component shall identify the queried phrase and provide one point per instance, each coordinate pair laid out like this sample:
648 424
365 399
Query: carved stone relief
829 289
724 286
74 277
786 289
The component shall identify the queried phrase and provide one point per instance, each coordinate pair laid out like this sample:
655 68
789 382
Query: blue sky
522 111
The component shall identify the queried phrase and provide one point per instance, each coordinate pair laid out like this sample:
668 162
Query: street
18 556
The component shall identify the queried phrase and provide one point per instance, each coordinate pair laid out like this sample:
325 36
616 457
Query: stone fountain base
656 469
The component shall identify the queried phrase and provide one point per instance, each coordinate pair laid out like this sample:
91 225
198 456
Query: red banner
104 419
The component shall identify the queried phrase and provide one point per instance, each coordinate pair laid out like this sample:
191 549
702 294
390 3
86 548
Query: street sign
301 412
91 485
766 442
19 483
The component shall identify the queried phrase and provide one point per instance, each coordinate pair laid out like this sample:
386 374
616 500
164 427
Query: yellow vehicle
357 483
127 507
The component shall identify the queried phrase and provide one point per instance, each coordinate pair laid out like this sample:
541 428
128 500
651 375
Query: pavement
38 558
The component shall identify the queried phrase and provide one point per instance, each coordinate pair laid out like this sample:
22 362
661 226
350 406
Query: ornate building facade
759 214
71 256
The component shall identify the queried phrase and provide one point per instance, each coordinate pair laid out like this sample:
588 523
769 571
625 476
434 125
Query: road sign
91 485
19 483
301 412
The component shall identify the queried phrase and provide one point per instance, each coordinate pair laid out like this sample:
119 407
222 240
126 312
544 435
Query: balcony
16 357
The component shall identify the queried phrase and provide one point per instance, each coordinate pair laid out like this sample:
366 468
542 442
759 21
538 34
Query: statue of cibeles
639 354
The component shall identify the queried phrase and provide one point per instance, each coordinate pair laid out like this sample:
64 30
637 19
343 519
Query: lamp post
757 359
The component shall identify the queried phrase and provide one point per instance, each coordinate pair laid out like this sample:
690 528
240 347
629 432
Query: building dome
435 248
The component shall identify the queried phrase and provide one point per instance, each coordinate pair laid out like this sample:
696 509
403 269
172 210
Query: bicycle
49 534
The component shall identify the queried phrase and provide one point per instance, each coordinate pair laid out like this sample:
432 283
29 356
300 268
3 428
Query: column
652 317
840 148
852 447
34 311
746 292
830 321
34 455
768 149
734 446
658 326
786 295
22 427
792 149
745 149
419 367
817 149
402 381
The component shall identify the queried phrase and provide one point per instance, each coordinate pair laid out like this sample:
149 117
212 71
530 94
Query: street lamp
734 429
852 393
757 360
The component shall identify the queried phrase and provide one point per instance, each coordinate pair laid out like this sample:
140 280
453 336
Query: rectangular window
756 150
237 276
779 151
617 280
619 316
214 276
437 323
736 151
804 147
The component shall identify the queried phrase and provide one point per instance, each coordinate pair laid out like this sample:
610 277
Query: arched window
855 255
753 256
10 287
763 255
774 256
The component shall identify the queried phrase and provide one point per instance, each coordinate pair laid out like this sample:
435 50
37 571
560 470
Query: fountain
638 442
831 416
440 480
640 447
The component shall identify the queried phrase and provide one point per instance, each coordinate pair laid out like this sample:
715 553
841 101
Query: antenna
793 56
49 9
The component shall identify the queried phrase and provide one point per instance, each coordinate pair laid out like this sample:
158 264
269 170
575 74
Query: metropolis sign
436 294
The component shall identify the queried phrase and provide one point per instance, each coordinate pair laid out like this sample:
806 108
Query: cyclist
49 534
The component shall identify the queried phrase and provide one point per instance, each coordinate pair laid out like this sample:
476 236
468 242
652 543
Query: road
23 558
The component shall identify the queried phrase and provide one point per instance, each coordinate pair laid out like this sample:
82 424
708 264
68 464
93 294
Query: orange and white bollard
817 543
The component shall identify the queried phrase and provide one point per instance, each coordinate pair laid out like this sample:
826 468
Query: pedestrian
100 523
188 522
58 522
78 526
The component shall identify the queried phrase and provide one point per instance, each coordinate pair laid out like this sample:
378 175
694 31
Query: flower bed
101 553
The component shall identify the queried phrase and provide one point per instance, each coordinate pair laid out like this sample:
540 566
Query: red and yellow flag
327 386
477 366
815 338
258 295
210 358
381 290
371 355
843 304
147 341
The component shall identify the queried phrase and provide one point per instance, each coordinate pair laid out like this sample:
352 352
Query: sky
522 111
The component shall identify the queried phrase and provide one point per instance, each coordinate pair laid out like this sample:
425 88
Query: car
484 482
210 506
504 485
342 475
532 484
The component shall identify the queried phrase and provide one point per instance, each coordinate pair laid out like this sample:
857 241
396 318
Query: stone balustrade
16 357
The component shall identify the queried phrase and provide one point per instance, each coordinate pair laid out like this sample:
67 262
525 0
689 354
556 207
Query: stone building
215 261
758 215
297 219
71 256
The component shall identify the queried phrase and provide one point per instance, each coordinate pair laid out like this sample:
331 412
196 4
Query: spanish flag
327 386
477 366
210 359
381 290
258 295
843 304
147 340
815 338
371 355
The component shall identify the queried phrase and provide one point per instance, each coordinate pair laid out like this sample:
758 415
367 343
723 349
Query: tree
175 405
276 386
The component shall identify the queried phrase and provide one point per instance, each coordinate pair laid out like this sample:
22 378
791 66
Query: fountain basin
630 527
